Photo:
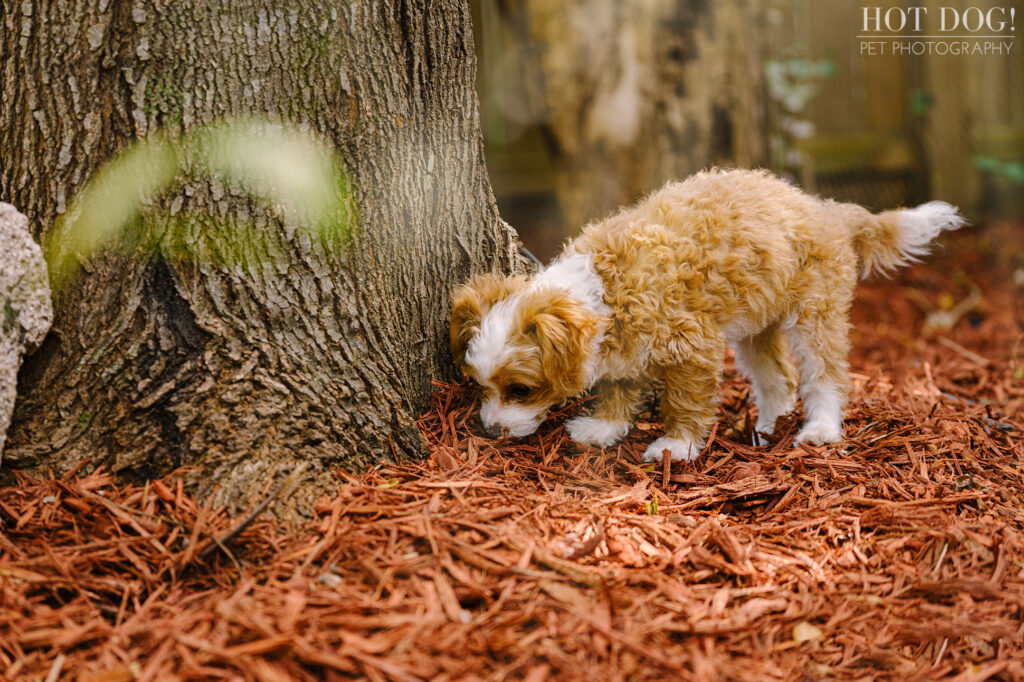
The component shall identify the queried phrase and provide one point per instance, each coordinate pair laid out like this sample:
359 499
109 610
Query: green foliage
1011 170
295 173
921 101
793 82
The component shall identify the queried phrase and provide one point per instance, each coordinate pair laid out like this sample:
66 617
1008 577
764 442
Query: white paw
819 433
768 413
680 448
765 426
593 431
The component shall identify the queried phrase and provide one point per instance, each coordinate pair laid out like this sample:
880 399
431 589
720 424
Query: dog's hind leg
764 358
820 344
617 403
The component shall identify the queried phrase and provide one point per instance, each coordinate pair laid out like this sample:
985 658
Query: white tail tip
919 226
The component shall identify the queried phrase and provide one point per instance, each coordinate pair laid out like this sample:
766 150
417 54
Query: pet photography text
937 30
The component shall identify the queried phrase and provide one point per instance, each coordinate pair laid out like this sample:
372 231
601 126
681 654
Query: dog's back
742 248
733 250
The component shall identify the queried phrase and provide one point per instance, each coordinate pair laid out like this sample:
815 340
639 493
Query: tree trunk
305 352
627 95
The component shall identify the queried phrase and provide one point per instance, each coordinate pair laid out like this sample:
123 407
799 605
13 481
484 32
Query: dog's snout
503 420
496 431
492 430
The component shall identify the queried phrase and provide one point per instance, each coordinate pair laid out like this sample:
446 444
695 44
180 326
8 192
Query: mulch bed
898 555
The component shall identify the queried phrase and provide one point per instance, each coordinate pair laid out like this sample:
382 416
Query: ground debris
898 554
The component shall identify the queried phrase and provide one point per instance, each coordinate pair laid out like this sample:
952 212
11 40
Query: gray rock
25 309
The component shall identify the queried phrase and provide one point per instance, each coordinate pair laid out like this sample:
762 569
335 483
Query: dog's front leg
688 407
617 402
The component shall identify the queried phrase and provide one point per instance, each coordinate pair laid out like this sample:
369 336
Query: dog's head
526 346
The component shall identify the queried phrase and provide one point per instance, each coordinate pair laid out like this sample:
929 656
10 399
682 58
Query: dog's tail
890 239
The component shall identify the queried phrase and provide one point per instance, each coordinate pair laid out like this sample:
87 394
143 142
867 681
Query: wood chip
897 554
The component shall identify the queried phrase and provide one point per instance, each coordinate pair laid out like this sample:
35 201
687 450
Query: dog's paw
820 433
769 412
765 426
680 449
593 431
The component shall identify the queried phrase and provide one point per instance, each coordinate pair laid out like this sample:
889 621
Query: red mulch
900 555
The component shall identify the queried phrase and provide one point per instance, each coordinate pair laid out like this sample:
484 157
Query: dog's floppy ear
563 330
471 302
466 315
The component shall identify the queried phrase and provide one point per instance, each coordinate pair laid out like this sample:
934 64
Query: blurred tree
251 344
618 97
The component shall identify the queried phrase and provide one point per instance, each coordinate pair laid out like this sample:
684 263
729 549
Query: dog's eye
518 391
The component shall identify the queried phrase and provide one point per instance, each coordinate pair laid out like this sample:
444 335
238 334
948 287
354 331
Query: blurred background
589 104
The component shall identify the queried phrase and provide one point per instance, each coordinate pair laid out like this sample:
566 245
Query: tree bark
298 350
629 94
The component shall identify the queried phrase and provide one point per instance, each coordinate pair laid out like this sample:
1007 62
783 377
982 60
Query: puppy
658 289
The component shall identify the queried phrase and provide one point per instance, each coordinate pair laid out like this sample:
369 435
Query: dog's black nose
495 431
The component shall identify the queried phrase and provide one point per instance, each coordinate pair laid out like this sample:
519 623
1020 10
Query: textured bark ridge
254 345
